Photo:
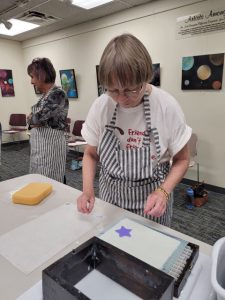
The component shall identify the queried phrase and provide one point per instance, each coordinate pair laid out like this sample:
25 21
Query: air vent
38 18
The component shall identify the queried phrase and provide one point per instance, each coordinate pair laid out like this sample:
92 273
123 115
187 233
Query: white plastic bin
218 268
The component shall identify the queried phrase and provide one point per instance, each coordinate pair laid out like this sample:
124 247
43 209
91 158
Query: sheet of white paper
30 245
95 285
197 287
144 243
92 287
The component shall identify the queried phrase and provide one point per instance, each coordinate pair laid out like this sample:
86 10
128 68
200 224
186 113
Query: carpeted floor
206 223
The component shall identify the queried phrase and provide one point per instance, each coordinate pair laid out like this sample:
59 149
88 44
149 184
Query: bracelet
161 189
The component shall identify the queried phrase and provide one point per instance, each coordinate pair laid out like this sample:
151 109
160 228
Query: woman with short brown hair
135 129
47 122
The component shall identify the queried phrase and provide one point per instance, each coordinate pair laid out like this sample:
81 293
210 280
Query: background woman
47 122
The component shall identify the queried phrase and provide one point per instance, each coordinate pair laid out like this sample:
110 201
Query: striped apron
48 149
127 176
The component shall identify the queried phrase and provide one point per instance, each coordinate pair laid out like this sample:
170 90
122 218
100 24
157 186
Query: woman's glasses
126 92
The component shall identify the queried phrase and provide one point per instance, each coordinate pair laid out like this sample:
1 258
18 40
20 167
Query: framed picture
6 83
68 82
156 75
37 92
203 72
100 89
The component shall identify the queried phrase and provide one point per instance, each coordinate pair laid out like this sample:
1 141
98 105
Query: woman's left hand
156 204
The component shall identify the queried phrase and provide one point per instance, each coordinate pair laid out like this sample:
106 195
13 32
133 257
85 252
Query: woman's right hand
85 203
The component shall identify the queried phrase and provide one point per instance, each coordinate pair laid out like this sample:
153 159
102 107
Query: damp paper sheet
35 242
146 244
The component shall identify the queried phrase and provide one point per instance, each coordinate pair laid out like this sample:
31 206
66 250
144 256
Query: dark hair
43 69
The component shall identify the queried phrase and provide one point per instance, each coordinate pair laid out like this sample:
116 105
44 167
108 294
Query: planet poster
6 83
156 74
203 72
68 82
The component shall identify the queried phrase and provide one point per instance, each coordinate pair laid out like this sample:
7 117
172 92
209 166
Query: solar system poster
6 83
204 72
156 75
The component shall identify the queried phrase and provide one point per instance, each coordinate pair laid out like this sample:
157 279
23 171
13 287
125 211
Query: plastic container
218 269
190 198
75 165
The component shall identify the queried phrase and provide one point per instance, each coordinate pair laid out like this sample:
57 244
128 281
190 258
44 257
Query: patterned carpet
206 223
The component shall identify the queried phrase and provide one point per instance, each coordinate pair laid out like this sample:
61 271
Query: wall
12 59
80 47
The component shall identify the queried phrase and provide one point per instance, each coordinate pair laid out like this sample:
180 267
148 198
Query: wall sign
200 23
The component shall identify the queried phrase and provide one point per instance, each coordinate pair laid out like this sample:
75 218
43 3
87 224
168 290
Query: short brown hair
43 69
125 60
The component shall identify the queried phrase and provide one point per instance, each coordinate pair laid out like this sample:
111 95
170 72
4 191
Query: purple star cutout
123 231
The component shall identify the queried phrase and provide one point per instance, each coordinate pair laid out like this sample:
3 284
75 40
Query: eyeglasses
126 92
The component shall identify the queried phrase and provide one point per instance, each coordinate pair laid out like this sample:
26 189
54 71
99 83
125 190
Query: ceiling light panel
88 4
18 27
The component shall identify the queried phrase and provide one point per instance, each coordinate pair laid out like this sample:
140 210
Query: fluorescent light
18 27
88 4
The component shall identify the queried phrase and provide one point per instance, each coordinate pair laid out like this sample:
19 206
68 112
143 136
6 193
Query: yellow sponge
33 193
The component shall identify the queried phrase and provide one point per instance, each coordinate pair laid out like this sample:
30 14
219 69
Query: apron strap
112 123
147 111
153 131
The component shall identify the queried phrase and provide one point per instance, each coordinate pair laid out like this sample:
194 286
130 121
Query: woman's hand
85 203
156 204
157 200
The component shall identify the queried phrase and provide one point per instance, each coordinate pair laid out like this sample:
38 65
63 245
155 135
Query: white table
14 282
77 144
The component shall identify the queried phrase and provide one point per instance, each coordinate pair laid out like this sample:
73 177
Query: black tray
145 281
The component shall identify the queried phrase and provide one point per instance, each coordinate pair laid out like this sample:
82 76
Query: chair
75 142
192 143
68 122
200 193
17 124
76 132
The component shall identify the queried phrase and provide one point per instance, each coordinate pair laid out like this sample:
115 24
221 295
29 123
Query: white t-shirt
166 116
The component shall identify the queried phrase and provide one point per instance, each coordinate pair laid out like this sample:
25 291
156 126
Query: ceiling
53 15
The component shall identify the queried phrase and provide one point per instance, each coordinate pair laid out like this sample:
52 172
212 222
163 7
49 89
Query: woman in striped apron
47 122
134 129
